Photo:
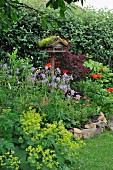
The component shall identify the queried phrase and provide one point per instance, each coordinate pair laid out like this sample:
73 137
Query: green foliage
37 142
106 76
47 144
11 8
8 14
99 98
9 161
84 29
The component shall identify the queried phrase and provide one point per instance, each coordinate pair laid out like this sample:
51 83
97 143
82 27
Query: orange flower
110 90
94 76
99 75
65 71
48 65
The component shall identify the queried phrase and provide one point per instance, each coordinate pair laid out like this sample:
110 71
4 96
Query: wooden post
52 63
52 68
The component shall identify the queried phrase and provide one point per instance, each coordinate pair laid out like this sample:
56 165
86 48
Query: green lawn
97 154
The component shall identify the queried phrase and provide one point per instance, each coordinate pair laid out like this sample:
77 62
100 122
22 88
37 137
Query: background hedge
90 32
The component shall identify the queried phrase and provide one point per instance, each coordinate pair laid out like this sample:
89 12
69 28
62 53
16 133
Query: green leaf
2 2
49 3
62 13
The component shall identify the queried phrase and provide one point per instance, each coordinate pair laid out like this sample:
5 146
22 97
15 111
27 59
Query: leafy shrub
49 146
101 74
84 29
74 63
44 145
100 99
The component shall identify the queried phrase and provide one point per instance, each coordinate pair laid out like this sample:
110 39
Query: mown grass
97 154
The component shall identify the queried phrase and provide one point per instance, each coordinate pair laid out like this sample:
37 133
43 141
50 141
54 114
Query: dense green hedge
90 32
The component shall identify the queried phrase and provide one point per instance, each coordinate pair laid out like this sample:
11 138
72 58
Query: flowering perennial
95 76
110 90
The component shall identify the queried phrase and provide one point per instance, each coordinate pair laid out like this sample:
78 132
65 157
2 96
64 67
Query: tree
10 9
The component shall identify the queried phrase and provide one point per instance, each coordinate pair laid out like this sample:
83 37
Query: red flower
48 65
110 90
101 69
65 71
94 76
99 75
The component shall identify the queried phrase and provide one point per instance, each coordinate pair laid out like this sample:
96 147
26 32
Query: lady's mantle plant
48 146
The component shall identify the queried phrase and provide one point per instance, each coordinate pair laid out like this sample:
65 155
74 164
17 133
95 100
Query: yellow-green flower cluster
47 157
9 161
44 141
30 121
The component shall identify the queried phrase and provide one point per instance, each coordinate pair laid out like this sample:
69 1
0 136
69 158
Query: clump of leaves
74 63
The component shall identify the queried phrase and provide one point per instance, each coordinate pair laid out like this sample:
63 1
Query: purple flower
10 76
24 66
36 72
54 77
73 92
53 84
44 81
0 65
65 75
58 79
78 97
33 79
68 87
5 65
71 77
43 75
46 68
58 70
17 70
61 87
16 77
32 68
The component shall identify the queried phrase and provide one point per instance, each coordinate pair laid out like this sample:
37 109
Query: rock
110 122
91 125
101 125
92 132
102 118
98 131
88 133
77 133
111 127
